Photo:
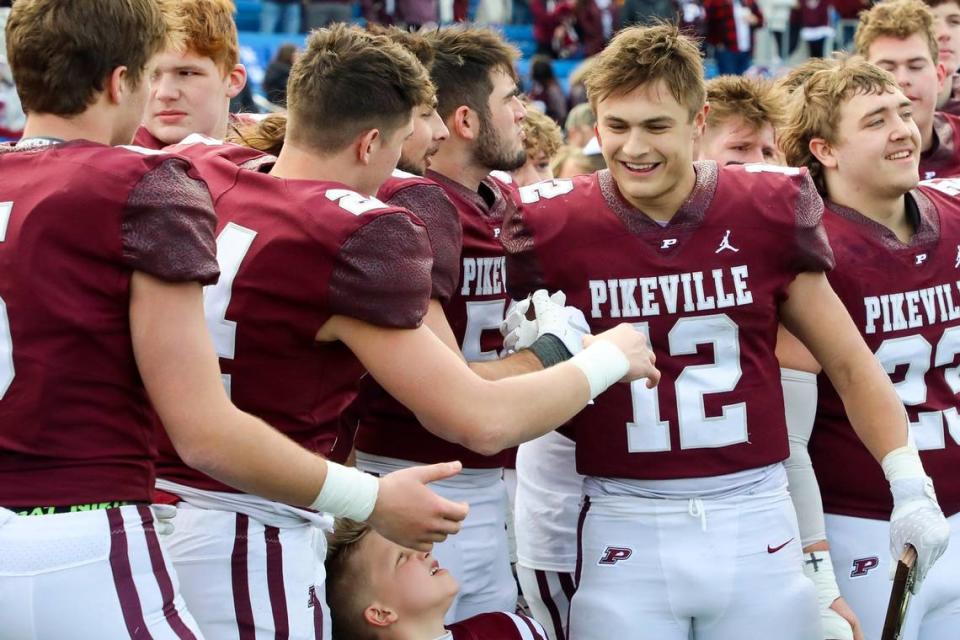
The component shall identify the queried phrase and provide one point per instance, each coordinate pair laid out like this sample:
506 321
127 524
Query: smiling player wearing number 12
686 514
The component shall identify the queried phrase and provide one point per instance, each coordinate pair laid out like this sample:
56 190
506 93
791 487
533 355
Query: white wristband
347 492
603 363
818 567
903 464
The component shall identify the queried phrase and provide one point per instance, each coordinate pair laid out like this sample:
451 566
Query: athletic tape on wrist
818 567
903 464
347 492
603 363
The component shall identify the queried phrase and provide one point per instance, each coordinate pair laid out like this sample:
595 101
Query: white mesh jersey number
483 315
917 354
233 243
648 432
6 340
546 190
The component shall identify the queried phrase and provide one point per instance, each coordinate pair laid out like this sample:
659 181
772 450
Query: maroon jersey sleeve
525 274
382 273
433 207
143 138
813 249
168 226
497 626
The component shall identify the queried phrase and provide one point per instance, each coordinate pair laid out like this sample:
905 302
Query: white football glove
163 515
820 570
552 317
916 518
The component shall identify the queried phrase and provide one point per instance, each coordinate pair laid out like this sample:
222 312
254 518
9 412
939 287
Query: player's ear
700 121
117 86
236 80
367 144
823 152
379 615
466 123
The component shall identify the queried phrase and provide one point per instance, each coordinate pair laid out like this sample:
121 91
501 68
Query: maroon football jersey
474 311
905 300
294 253
705 288
76 220
952 105
943 159
497 626
143 138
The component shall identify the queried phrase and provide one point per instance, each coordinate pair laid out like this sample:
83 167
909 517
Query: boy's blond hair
754 100
896 19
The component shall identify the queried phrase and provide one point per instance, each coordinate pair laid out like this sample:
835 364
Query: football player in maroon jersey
322 282
385 591
193 82
894 244
477 93
899 36
101 308
686 514
742 121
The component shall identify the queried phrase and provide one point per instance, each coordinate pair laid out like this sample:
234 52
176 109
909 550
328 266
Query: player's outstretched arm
814 314
180 370
417 369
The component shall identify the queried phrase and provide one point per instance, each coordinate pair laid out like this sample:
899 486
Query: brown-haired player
742 121
946 23
898 36
193 82
686 514
98 311
542 138
382 591
895 244
323 282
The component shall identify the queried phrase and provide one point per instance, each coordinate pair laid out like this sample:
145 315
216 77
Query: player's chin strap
819 569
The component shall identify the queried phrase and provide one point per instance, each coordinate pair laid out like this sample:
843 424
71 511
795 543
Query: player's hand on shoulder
552 316
636 348
410 514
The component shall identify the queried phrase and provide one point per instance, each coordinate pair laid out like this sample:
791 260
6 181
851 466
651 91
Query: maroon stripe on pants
317 614
533 630
278 596
566 583
580 520
547 600
123 577
240 578
163 578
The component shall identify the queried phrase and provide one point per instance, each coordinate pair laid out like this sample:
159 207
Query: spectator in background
566 39
776 17
243 102
647 12
542 139
275 80
580 124
571 161
320 13
730 25
545 88
286 13
815 25
590 25
417 13
578 92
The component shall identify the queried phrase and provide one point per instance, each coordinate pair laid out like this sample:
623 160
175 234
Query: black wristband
550 350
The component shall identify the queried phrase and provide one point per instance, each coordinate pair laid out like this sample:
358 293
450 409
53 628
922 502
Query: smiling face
410 583
428 132
735 141
189 94
921 79
647 139
878 145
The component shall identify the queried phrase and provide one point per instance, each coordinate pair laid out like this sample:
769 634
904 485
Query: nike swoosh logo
775 549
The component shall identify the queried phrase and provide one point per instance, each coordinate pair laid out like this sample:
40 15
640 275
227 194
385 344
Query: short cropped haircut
210 32
753 100
266 134
640 56
349 81
814 110
415 43
541 133
896 19
345 584
464 58
61 52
